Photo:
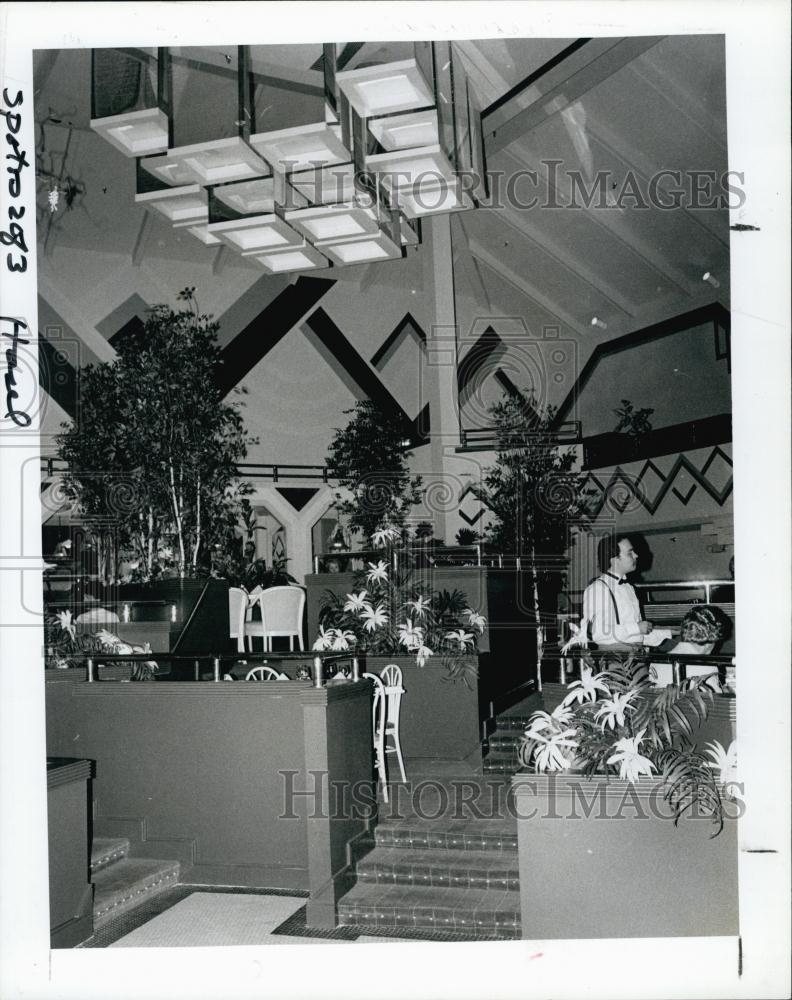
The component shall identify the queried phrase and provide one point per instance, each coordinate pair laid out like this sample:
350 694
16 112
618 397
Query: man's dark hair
607 549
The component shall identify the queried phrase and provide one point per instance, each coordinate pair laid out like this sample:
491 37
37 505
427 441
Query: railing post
316 564
317 672
90 666
216 665
355 669
677 672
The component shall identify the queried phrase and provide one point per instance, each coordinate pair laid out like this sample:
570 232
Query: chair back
237 605
282 610
262 674
392 683
96 616
377 707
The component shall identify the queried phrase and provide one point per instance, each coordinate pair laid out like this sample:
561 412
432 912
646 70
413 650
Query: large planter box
439 723
601 858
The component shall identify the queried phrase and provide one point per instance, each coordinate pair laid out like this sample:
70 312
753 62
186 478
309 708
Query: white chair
262 674
392 680
96 616
281 615
378 730
237 607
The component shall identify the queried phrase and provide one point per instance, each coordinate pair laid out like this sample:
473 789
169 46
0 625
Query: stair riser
504 925
441 841
105 910
445 879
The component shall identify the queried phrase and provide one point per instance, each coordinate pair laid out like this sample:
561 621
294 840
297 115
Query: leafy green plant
631 421
467 536
387 614
65 647
534 495
615 721
152 454
369 458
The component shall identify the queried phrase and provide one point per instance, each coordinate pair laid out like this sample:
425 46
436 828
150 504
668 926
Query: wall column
439 380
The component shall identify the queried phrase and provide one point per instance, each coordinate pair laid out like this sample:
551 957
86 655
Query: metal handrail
93 660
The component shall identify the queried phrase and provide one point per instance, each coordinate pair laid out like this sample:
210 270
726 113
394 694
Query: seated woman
701 628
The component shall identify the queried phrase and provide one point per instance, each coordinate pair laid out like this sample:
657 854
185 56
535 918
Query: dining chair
263 674
96 616
237 607
392 681
281 615
378 731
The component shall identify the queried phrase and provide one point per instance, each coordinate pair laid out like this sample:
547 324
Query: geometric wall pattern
624 491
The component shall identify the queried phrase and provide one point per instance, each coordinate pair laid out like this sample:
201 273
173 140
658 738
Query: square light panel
333 222
301 258
406 131
381 90
362 251
295 149
404 167
136 133
329 186
183 206
256 234
255 197
216 162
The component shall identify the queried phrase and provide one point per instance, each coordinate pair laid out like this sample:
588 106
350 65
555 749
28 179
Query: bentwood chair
237 606
378 731
281 615
262 674
392 680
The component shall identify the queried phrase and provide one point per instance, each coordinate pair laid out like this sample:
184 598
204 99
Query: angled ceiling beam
220 259
640 165
139 249
611 219
560 85
573 265
526 288
682 100
271 325
468 263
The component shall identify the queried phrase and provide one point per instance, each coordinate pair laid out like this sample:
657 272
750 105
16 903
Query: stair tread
124 877
473 826
480 860
437 898
105 849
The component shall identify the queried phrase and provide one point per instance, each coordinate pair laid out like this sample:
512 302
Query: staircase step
121 886
502 763
484 912
512 723
475 835
450 869
509 740
107 850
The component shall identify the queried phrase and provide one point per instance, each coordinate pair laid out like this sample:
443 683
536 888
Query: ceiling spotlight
600 324
710 278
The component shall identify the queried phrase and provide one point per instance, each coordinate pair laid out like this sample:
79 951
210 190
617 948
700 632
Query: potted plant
535 496
630 822
392 616
66 648
152 453
369 457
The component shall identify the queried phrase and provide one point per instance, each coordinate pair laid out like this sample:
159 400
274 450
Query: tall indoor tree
535 497
153 450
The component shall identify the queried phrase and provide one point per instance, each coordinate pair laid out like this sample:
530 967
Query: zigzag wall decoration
635 492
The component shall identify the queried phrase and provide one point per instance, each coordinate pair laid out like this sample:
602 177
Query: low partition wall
232 779
439 718
602 858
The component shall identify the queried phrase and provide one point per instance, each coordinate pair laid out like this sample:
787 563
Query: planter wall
198 772
439 718
621 870
70 889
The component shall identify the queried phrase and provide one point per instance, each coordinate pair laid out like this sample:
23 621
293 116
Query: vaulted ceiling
621 109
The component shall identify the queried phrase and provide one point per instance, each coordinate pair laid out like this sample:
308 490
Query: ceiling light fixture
389 145
710 278
600 324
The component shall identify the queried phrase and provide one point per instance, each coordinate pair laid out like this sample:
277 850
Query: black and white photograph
389 388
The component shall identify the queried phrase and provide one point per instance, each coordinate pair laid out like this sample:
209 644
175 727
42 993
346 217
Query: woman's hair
704 623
